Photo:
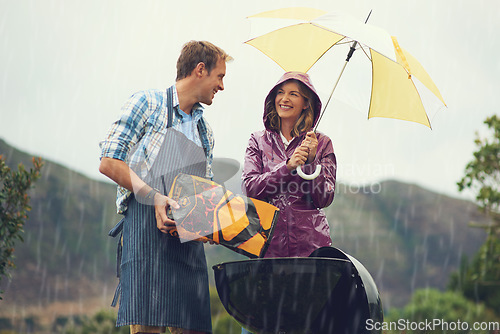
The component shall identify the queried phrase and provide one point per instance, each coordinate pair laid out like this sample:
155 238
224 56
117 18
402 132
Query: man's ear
198 70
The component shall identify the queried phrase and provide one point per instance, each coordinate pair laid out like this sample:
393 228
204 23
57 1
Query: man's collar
197 107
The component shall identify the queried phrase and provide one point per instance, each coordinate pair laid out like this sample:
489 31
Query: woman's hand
311 144
162 203
298 158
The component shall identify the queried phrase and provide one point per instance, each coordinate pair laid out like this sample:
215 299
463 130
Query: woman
292 108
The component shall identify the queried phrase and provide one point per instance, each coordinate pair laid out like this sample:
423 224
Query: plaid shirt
136 137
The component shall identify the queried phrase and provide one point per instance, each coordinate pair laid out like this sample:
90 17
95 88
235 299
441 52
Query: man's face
212 83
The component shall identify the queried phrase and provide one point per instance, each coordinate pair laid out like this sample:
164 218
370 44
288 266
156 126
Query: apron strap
115 232
170 105
202 130
202 127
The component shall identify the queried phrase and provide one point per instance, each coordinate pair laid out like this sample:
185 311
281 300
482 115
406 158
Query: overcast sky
66 67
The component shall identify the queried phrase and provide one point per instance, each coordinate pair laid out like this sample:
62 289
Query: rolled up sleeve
127 130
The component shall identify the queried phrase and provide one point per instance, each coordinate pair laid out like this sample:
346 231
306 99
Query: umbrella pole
349 55
331 94
318 167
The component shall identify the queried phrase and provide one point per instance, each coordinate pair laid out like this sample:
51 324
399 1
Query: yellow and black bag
209 212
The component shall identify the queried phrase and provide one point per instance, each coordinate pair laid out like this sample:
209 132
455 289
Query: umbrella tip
370 13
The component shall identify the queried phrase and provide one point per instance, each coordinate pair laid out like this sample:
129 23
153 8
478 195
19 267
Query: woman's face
289 103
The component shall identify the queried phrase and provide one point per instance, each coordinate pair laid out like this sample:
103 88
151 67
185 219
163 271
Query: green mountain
406 236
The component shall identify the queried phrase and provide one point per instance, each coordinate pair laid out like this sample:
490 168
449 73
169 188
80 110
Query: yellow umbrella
396 75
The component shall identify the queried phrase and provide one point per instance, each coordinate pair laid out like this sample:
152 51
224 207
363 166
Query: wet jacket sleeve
322 188
257 183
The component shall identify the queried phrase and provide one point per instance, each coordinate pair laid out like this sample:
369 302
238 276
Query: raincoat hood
302 77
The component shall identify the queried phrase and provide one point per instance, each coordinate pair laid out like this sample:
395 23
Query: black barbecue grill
327 292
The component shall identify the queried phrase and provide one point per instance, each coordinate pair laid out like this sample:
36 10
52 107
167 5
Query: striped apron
163 282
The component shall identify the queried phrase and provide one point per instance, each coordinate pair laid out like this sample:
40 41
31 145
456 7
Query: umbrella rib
323 54
421 102
346 42
364 51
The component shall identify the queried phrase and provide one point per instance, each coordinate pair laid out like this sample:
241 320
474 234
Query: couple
163 282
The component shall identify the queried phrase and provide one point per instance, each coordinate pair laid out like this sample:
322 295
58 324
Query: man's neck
184 94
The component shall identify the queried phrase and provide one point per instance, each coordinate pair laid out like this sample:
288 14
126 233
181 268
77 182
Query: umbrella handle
309 176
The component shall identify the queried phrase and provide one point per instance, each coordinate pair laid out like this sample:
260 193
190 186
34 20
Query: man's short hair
194 52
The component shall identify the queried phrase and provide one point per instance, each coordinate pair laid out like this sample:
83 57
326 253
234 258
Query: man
163 282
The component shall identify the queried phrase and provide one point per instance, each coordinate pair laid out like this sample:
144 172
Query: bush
14 208
103 322
432 306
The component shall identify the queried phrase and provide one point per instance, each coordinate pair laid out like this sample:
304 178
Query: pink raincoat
302 226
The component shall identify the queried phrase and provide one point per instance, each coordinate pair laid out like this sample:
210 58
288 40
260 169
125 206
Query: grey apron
163 282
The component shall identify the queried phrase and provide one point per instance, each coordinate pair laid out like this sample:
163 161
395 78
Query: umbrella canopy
397 77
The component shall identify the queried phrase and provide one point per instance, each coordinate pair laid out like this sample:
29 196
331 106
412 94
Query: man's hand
162 203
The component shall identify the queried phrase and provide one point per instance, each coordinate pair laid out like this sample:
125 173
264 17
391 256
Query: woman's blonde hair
306 119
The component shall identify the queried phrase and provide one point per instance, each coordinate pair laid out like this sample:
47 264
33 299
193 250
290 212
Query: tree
482 174
481 280
14 208
474 284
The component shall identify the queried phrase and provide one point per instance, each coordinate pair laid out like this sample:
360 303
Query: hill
406 236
